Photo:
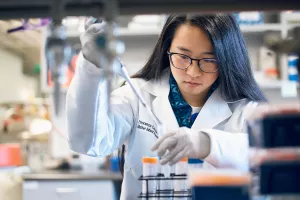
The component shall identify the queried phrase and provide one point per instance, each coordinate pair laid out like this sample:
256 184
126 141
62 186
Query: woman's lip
192 83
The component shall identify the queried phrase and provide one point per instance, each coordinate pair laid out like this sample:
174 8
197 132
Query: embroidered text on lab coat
147 127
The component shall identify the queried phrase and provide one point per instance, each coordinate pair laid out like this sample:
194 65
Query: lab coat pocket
137 170
135 161
135 165
141 146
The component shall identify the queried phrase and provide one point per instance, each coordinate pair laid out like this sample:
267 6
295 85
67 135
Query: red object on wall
10 155
69 74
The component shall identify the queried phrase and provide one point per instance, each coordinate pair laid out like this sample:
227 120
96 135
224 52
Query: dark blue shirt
181 108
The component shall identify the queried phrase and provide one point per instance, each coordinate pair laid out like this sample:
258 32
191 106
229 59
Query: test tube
165 187
180 185
150 169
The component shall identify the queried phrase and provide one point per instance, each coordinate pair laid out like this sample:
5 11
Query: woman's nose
193 70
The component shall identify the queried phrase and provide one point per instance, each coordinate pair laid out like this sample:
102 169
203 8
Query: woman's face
195 43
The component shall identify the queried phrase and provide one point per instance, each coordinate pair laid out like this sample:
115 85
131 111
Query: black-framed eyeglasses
182 61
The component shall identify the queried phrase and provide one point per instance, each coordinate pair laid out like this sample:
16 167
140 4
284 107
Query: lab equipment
219 184
249 18
114 164
292 17
181 170
160 184
58 53
106 46
112 48
194 163
28 25
267 63
91 164
274 126
274 137
293 61
32 8
150 169
10 155
288 46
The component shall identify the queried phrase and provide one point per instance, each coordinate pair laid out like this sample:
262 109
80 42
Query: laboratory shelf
291 26
148 31
260 28
142 31
257 28
272 84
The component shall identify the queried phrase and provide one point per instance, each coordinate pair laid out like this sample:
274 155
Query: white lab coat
129 123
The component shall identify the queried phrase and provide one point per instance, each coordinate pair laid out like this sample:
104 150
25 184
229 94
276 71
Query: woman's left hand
183 142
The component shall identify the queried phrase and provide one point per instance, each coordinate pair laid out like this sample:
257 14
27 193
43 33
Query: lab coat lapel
214 111
161 105
164 112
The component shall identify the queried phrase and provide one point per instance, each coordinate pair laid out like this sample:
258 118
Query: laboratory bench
71 185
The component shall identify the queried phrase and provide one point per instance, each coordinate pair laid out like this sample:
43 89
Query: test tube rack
162 194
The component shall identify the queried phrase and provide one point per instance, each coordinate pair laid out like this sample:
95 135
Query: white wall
14 85
138 51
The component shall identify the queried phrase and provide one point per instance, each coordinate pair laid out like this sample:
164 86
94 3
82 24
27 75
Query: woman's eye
183 57
210 60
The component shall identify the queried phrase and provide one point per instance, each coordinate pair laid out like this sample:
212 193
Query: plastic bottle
150 169
165 186
180 179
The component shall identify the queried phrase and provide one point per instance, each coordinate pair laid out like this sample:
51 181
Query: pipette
141 98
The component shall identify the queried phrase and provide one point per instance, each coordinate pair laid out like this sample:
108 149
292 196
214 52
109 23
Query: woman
198 82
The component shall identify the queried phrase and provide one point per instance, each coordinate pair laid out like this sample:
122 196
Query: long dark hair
236 80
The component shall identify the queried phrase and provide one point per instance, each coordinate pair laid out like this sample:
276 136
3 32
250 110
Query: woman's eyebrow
187 50
209 53
184 49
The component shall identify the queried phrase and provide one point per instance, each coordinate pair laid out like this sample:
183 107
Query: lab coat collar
214 111
159 87
161 105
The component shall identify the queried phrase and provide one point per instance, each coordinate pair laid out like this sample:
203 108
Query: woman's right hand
89 48
91 52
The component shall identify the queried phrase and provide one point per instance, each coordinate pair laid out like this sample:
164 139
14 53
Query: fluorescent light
40 126
147 19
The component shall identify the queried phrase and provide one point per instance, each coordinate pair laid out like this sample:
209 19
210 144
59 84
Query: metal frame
61 8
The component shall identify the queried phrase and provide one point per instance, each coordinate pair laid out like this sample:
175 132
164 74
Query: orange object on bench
221 177
10 155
